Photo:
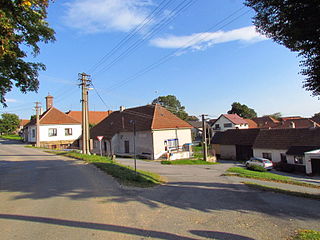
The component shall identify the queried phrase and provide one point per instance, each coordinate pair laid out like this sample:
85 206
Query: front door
126 146
315 166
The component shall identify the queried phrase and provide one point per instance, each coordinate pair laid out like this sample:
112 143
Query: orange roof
94 116
149 117
298 123
251 123
24 122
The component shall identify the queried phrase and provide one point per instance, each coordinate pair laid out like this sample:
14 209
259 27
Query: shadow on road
219 235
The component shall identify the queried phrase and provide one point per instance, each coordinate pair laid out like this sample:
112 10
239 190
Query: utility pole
134 145
37 124
204 138
85 83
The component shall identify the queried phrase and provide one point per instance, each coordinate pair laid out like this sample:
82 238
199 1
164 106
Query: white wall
228 152
44 132
223 120
275 153
159 136
308 156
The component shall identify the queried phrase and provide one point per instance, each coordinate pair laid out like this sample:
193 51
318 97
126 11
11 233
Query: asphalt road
44 196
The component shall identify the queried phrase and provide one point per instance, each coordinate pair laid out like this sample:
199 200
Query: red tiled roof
24 122
265 122
298 123
149 117
290 118
234 118
251 123
94 116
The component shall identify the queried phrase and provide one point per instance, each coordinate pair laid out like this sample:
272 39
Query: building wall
160 136
275 153
223 120
44 132
308 156
228 152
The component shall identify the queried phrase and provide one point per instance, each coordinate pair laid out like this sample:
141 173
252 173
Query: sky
205 52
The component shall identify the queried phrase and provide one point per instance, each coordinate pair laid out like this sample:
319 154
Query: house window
283 157
171 143
298 159
33 133
68 131
217 126
52 132
267 156
227 125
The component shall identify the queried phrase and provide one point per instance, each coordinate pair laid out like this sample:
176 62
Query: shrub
257 168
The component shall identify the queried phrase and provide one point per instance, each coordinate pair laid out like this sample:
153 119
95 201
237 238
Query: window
52 132
267 156
33 133
283 157
171 143
68 131
227 125
217 126
298 159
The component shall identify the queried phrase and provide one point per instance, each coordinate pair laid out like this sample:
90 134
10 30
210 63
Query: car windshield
267 161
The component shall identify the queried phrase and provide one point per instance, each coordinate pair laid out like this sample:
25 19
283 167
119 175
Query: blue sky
209 65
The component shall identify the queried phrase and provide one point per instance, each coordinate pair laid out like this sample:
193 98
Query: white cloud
200 41
11 100
93 16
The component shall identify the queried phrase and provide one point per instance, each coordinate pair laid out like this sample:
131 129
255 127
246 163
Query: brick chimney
49 101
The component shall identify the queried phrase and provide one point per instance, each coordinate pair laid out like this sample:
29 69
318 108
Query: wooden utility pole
37 124
85 83
204 138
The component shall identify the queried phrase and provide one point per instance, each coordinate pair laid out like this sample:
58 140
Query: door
315 166
244 152
126 147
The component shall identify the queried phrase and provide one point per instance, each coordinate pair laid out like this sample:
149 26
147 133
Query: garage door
315 166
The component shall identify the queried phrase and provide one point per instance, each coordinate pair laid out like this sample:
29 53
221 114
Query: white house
229 121
56 129
151 131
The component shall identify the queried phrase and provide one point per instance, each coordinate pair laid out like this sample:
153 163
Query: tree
296 25
9 123
316 115
242 110
276 115
171 103
22 27
192 118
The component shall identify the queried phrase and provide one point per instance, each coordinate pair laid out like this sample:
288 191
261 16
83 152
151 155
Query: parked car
263 162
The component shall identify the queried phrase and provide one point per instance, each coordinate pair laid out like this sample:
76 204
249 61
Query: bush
285 167
257 168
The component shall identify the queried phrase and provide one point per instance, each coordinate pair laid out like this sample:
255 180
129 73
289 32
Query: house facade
149 131
56 129
229 121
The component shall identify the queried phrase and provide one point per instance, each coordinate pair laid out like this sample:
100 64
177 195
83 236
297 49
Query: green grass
307 235
124 174
188 162
283 191
267 176
11 137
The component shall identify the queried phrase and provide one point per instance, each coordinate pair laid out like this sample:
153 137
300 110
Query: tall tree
171 103
242 110
276 115
296 25
9 122
22 27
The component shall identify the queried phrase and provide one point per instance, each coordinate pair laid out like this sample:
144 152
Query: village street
44 196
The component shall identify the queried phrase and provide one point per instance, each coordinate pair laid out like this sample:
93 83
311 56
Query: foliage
171 103
267 176
22 26
276 115
316 115
256 168
9 123
187 162
307 235
242 110
124 174
11 137
192 118
296 25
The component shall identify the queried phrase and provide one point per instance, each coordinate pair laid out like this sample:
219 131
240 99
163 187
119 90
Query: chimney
122 108
49 101
292 125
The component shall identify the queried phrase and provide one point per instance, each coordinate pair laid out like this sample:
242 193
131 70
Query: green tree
171 103
276 115
296 25
9 123
192 118
22 27
242 110
316 115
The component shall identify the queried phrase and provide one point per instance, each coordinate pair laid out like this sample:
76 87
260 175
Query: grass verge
266 176
283 191
11 137
306 235
123 174
188 162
